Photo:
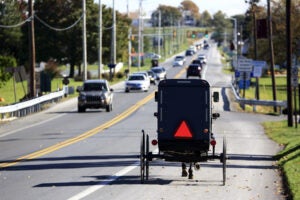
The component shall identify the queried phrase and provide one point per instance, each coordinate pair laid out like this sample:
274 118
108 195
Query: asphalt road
62 154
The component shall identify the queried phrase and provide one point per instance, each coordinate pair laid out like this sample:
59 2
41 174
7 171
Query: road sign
257 71
244 65
183 132
244 84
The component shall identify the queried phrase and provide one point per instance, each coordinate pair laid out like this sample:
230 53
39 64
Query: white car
137 82
202 57
160 72
179 61
144 73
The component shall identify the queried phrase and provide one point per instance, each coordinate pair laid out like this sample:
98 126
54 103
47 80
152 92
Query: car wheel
81 109
109 108
126 90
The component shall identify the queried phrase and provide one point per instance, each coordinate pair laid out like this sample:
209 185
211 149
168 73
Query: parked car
179 61
137 82
193 70
153 77
95 94
160 72
202 58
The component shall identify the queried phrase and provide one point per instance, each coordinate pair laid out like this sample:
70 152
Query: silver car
160 72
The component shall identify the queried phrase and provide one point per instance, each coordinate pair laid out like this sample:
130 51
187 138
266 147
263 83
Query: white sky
229 7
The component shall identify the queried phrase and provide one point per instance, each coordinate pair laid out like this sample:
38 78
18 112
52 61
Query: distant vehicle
206 46
153 77
144 73
193 48
179 61
154 62
202 58
189 52
152 56
160 72
137 82
198 62
193 70
95 94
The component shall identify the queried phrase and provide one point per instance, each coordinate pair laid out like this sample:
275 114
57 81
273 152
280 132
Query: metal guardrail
243 101
27 107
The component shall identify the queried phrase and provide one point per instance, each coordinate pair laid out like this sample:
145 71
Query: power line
16 25
59 29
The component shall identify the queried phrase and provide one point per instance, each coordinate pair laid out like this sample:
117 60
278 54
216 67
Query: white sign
245 65
257 71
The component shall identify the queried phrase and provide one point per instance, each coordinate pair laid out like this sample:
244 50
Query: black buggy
184 126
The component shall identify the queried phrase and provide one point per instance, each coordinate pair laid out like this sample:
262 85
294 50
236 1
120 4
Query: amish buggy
184 127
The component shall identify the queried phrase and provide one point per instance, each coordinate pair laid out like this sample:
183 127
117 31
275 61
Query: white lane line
105 182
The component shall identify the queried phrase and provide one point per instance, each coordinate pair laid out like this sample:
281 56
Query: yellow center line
82 136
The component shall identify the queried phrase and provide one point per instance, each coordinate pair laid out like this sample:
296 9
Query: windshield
135 78
94 87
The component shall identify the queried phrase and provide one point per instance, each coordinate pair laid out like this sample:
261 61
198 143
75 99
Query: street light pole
32 50
289 63
84 41
100 40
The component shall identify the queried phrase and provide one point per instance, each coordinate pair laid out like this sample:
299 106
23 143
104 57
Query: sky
229 7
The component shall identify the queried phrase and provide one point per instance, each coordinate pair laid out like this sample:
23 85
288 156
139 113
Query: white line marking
105 182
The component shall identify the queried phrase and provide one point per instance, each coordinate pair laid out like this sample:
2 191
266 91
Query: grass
289 157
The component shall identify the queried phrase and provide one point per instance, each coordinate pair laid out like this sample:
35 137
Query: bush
6 62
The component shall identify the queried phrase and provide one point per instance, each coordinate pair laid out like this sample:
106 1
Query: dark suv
95 94
194 70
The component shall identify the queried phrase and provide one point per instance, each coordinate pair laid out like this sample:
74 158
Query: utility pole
255 48
84 41
159 33
32 51
113 42
270 36
289 63
140 35
100 40
129 40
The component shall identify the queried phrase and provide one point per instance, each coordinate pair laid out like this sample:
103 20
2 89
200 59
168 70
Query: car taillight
213 142
154 142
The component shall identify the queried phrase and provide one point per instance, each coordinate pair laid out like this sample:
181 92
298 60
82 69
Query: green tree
222 26
205 19
59 38
6 62
169 16
10 31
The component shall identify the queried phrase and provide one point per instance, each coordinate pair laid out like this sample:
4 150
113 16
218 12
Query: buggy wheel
146 158
224 157
142 158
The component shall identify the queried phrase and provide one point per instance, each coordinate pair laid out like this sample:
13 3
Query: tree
221 24
190 6
59 38
205 19
10 33
6 62
169 16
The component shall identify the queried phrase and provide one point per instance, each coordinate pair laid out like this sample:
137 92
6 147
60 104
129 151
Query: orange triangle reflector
183 131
